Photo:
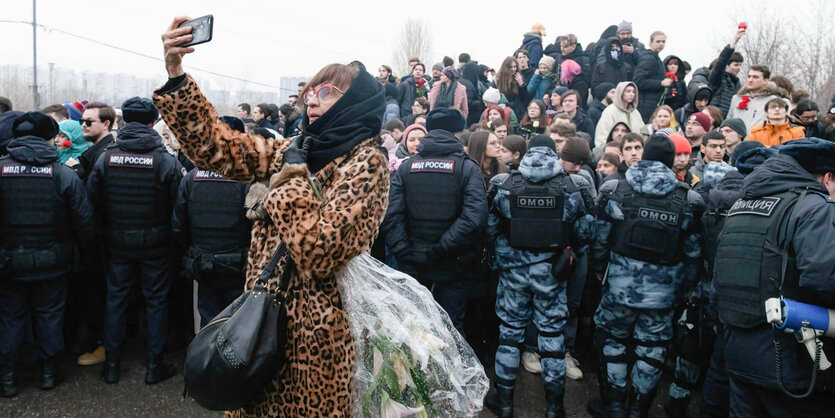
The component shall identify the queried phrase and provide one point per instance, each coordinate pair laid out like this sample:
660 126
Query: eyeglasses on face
322 92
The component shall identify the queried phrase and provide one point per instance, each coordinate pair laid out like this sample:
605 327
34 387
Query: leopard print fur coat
321 236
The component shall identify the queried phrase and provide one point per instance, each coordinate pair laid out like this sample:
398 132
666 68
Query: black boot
52 374
158 370
610 405
554 406
7 388
676 408
501 402
110 371
639 404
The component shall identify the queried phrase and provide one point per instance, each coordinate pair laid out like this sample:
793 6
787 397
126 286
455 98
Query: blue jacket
636 283
533 44
540 164
540 85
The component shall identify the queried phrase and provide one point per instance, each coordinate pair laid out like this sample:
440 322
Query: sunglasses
323 93
88 122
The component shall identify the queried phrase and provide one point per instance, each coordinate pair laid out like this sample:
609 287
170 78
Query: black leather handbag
240 351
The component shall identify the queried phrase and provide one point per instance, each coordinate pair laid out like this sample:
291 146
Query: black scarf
355 117
446 95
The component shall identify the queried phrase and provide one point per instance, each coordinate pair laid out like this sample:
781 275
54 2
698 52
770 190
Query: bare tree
801 47
414 41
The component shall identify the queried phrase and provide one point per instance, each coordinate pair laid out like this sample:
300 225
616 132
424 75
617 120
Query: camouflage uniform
639 296
527 289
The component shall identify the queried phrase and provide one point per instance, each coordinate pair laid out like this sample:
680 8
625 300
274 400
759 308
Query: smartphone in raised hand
201 32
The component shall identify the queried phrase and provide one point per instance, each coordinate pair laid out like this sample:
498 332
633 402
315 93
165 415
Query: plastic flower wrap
411 361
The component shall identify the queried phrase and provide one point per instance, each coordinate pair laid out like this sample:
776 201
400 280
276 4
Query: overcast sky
264 40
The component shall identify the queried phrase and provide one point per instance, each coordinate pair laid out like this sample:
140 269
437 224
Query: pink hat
410 128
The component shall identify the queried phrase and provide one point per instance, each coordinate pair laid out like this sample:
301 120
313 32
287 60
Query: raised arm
193 120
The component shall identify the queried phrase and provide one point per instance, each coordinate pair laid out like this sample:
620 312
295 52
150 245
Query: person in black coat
45 217
408 91
570 49
649 76
437 205
133 188
611 66
600 95
469 79
677 93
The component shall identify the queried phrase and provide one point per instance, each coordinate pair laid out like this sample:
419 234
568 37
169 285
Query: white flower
393 409
424 346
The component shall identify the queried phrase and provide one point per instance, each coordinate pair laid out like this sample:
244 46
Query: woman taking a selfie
323 227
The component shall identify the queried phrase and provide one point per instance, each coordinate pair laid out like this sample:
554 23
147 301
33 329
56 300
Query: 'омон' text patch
658 215
536 202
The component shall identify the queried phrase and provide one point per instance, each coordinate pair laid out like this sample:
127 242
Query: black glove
293 155
420 257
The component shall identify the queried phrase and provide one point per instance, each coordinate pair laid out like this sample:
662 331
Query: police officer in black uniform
437 206
777 241
133 188
210 222
44 214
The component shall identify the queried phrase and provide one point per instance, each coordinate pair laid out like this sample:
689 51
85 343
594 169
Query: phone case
202 32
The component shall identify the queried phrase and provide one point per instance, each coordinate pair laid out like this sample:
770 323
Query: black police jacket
750 353
133 187
472 214
44 211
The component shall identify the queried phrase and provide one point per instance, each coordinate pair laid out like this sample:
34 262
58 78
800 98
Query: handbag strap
269 269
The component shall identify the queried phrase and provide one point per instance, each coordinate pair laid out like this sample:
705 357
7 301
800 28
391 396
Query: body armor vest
138 206
750 264
651 230
536 213
219 230
36 231
433 196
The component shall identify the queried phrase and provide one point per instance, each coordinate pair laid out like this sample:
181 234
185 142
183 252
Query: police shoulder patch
118 159
206 175
14 169
763 206
658 215
433 165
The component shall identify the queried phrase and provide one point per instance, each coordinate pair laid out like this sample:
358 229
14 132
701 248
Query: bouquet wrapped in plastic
411 361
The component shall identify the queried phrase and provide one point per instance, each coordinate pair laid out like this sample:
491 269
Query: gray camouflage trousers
650 329
525 294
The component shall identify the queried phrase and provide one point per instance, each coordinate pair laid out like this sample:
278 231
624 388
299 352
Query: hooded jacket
753 112
532 42
749 353
36 151
649 73
618 112
690 108
640 284
471 220
137 138
539 165
600 46
677 92
609 69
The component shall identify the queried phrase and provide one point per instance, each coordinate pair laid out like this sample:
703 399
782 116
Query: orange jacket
770 135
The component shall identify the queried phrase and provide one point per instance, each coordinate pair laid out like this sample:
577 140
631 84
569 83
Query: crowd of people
574 200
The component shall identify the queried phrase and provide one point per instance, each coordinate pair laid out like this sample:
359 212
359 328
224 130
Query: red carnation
743 103
66 144
420 82
671 75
